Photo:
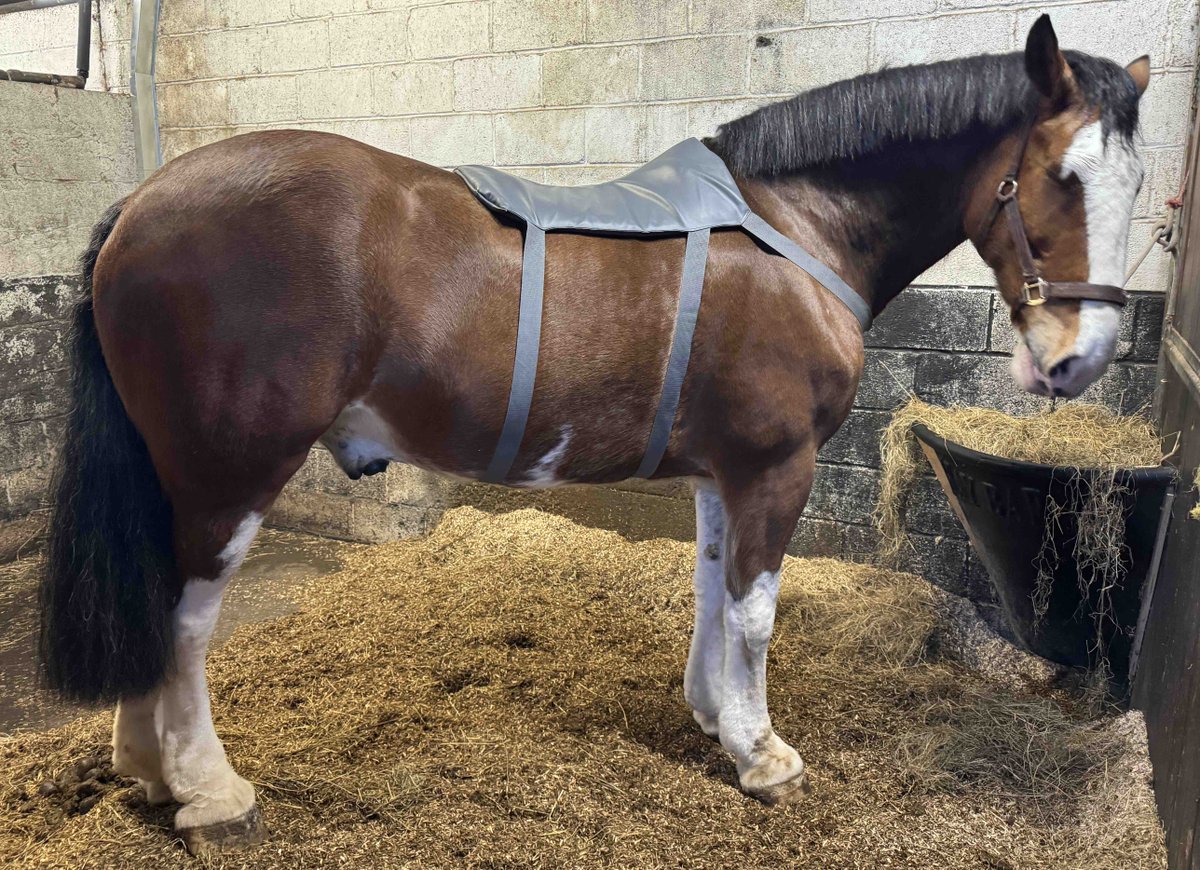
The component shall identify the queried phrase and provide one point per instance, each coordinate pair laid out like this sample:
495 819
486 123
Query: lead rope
1165 233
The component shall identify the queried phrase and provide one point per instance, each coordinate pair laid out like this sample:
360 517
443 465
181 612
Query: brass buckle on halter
1029 287
1007 189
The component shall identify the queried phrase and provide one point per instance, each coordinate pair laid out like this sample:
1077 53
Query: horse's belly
363 443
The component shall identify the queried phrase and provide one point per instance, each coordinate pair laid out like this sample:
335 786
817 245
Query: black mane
858 117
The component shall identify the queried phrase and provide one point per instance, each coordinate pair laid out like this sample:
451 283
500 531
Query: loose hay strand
1047 559
1100 549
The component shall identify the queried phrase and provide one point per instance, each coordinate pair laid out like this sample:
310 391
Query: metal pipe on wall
7 6
142 50
83 40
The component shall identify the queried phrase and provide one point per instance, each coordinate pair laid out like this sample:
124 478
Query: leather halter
1036 290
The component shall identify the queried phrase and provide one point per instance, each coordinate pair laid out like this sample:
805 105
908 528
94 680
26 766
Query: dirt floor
507 693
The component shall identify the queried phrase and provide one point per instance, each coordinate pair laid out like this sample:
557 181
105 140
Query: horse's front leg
706 658
761 515
218 809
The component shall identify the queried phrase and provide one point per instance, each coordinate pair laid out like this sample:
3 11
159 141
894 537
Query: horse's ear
1139 70
1045 64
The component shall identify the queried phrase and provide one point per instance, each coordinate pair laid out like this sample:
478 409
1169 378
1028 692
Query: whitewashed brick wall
65 156
574 91
43 40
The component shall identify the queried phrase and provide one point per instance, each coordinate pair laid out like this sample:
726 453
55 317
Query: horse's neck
882 221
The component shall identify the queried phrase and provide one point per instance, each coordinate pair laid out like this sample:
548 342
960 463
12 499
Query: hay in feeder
1077 435
507 693
1089 438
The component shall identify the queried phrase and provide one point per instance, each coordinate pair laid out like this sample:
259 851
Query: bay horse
256 294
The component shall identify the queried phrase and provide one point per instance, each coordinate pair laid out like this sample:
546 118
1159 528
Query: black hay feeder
1002 505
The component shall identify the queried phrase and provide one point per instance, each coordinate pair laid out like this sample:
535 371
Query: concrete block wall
65 156
33 387
575 91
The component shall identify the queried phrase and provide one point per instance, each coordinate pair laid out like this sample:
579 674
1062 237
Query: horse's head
1077 172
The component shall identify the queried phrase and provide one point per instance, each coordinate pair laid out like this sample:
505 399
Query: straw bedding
507 693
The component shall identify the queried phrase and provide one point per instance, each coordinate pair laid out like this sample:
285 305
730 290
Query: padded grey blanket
685 188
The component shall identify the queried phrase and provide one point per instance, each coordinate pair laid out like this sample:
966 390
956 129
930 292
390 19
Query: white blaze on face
1111 174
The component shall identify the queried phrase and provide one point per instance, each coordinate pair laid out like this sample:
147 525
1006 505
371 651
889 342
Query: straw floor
507 693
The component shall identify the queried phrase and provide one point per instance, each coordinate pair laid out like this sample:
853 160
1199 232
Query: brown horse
276 289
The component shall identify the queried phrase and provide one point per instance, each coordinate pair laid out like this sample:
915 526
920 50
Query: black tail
109 587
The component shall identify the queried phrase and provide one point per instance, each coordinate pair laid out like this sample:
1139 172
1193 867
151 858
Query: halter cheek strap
1036 290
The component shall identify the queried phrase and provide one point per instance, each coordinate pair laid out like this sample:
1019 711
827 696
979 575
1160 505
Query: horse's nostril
1062 368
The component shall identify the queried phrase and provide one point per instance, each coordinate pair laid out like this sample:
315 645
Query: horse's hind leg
219 808
136 750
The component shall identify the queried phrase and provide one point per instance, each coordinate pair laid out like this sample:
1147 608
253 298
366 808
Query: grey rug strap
529 337
691 285
829 279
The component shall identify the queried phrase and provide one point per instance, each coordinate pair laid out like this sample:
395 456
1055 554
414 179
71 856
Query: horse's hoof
787 792
708 723
778 777
241 833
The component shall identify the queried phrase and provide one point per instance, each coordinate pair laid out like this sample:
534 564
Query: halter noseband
1036 290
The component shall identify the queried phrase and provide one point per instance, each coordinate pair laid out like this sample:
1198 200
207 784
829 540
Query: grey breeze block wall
65 155
575 91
